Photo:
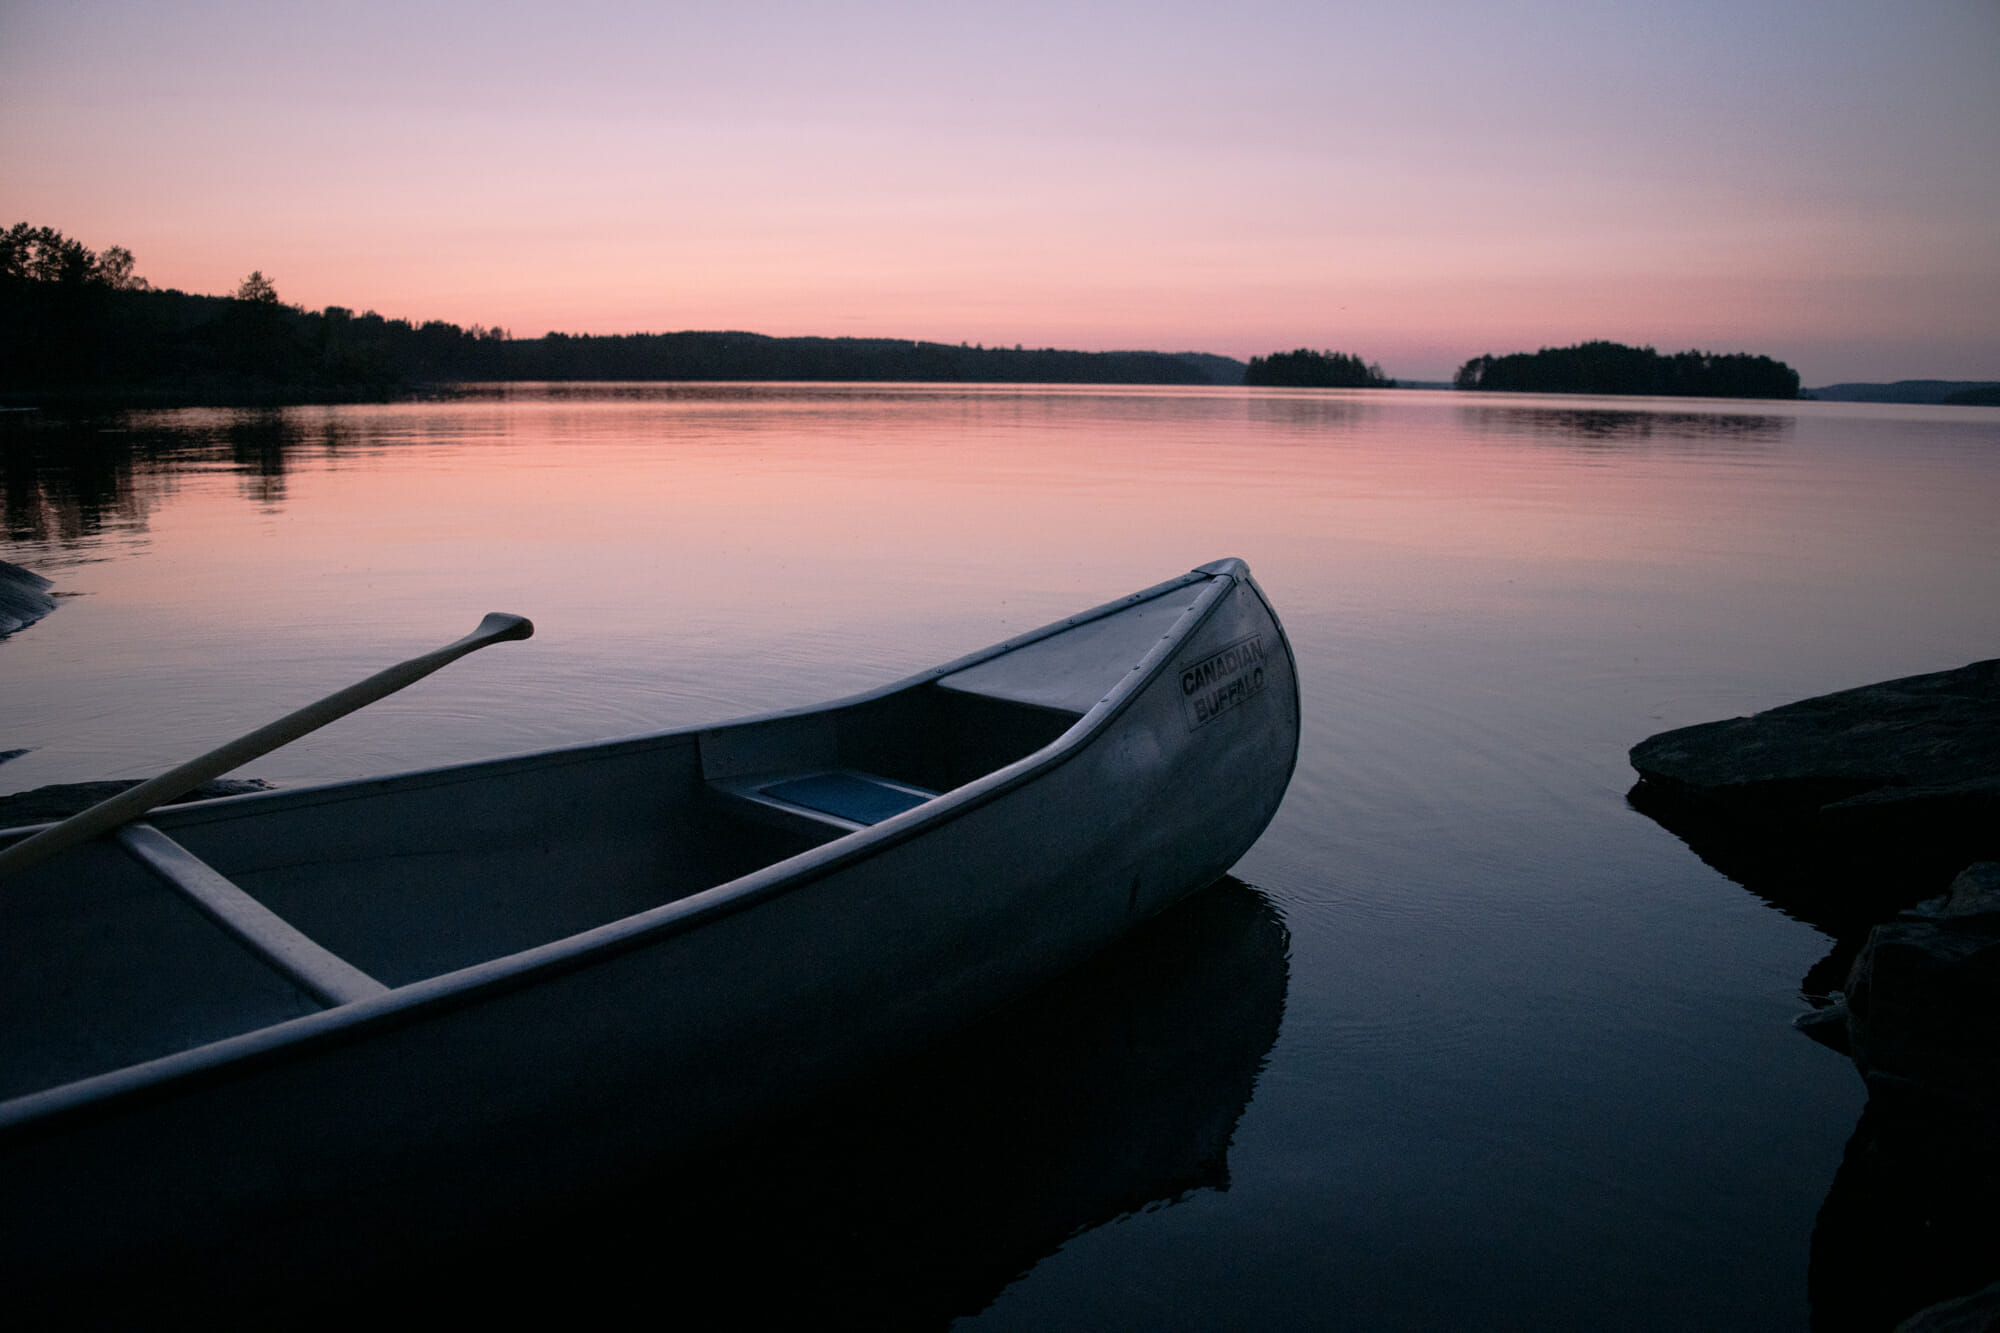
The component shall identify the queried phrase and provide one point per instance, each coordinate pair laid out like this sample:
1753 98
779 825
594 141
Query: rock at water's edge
1900 738
24 598
1840 810
1897 783
1923 1000
1910 1219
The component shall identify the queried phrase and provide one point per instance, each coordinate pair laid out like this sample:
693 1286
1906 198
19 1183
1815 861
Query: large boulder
1864 800
1923 998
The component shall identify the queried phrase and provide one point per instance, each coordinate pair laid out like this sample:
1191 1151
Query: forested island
75 324
1307 369
1608 367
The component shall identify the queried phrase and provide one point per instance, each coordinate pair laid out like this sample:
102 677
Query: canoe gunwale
66 1105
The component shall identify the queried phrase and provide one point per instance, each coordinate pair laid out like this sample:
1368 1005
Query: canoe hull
506 1083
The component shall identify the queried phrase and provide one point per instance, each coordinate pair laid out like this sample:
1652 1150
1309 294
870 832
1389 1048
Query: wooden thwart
327 978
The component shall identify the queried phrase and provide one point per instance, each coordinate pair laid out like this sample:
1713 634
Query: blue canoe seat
838 799
859 798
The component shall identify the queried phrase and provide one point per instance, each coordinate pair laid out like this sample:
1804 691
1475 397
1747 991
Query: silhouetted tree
258 288
114 270
43 254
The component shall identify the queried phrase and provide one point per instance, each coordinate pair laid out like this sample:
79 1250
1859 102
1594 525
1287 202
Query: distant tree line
1307 369
1963 393
78 323
756 356
1608 367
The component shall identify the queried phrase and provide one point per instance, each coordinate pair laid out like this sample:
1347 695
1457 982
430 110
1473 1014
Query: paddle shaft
130 804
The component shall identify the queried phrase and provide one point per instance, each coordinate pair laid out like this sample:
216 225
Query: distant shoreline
1969 393
19 403
101 339
81 330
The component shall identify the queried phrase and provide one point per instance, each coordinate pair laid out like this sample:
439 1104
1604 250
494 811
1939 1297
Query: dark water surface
1467 1043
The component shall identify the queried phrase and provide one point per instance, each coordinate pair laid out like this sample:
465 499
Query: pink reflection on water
696 551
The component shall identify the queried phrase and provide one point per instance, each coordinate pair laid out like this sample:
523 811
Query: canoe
241 1010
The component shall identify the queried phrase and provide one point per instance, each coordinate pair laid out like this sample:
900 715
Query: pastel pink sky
1416 183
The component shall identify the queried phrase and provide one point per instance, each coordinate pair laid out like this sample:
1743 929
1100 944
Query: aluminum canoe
249 1007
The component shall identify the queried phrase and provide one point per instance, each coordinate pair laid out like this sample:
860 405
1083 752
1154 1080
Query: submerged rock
24 598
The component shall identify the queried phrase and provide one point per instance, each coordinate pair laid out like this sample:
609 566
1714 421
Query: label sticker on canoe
1216 684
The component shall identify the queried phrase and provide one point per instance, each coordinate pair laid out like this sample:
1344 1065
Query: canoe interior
418 877
102 965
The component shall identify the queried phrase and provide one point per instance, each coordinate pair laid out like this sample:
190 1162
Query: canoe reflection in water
908 1198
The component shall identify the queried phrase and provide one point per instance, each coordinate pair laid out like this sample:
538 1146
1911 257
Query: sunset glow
1415 184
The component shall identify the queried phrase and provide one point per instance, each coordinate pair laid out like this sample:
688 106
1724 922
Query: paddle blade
502 626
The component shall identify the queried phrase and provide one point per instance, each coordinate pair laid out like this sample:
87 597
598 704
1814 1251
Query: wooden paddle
130 804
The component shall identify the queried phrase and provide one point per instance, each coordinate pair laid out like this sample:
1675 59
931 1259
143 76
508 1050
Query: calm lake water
1469 1044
